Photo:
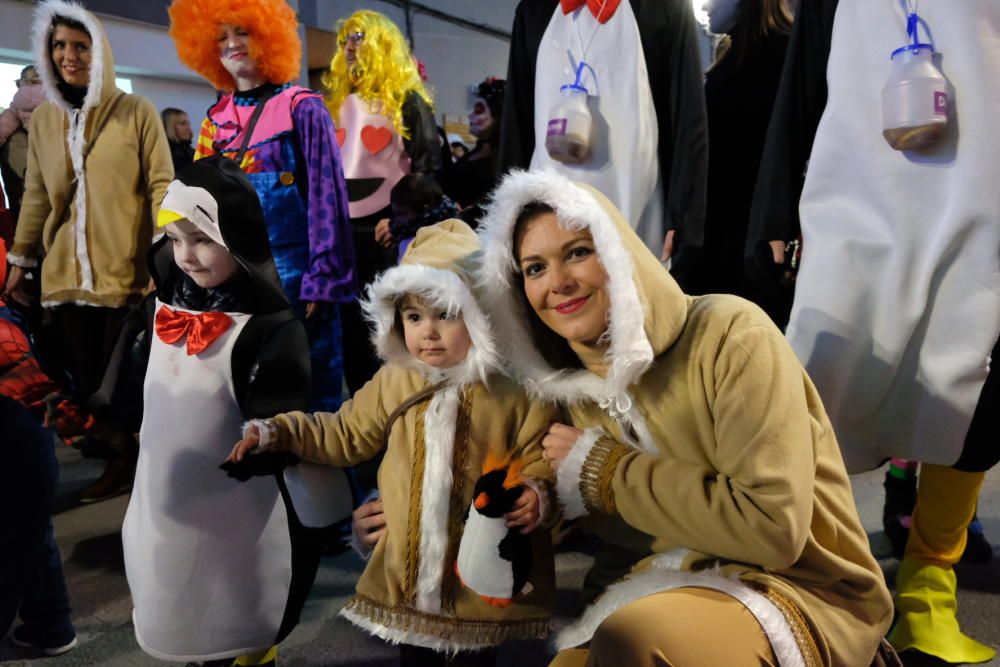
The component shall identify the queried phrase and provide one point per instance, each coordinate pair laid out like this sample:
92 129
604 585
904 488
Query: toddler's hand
244 446
526 512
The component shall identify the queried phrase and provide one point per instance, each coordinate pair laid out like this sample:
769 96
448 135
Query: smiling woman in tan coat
699 452
98 166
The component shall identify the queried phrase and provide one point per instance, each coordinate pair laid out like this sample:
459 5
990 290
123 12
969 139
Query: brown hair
554 348
755 20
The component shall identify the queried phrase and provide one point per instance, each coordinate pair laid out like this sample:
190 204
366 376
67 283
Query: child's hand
244 446
526 512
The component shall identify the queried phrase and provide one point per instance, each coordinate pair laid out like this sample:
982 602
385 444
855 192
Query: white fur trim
435 494
569 472
265 432
446 290
23 262
75 140
400 636
630 352
664 575
44 14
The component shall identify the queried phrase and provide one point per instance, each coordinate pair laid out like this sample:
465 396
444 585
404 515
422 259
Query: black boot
900 499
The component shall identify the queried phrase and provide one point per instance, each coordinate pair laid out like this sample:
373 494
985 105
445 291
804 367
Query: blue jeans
31 576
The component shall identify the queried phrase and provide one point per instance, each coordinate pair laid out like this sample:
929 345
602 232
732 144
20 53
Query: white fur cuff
23 262
570 473
266 431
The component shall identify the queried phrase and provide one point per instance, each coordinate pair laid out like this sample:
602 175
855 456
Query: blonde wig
384 74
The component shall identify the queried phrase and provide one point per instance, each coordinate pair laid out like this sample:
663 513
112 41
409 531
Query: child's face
431 335
208 263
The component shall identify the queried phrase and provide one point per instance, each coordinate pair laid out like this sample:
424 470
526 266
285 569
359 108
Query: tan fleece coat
93 237
434 454
705 446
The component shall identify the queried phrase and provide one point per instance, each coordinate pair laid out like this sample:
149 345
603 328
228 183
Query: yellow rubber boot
926 601
268 657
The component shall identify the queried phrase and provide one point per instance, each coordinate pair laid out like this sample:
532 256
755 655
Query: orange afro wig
274 37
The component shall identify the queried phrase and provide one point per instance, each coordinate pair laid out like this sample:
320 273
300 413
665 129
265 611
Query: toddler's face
432 336
208 263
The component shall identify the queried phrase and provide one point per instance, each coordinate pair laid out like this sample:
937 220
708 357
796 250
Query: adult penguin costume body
219 568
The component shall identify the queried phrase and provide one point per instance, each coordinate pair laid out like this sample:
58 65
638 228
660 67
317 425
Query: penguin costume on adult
217 567
644 85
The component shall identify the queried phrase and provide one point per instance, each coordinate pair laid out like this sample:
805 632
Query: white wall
143 53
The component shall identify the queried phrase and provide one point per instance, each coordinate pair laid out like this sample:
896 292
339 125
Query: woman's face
71 55
182 129
234 52
563 279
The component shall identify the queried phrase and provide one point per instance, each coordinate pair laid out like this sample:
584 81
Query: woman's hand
382 234
368 524
558 442
668 246
526 512
15 286
246 445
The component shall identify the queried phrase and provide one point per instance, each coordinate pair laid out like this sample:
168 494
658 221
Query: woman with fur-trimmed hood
98 166
430 408
700 451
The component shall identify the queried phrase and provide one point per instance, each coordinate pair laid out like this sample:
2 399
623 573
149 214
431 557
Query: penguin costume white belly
494 560
219 567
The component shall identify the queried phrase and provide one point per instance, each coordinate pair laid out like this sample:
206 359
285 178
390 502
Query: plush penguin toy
218 567
494 560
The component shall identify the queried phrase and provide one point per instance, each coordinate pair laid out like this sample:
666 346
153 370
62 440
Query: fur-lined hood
439 267
648 308
102 65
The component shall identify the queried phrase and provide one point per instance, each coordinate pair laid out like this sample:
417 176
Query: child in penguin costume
217 568
438 408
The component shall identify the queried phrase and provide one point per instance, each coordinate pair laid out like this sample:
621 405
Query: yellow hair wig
384 74
274 37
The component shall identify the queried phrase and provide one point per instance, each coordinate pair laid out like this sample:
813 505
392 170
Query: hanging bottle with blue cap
915 98
568 134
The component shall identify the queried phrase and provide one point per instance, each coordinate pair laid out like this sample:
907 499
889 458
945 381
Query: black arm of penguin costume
516 548
119 398
271 375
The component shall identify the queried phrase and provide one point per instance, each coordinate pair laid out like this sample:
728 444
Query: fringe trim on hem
400 624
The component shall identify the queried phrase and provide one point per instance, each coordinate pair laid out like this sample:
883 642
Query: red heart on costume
375 138
340 136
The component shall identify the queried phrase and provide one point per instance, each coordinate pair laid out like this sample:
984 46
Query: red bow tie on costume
601 9
201 329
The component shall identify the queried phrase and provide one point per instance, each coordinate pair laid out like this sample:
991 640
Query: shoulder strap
416 398
104 122
251 124
71 193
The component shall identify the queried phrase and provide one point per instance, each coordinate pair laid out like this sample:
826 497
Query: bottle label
557 127
940 103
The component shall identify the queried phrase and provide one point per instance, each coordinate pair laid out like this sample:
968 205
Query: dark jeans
31 576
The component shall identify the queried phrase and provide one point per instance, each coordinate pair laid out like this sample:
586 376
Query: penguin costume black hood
216 196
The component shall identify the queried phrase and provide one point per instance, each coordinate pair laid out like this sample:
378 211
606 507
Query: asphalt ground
90 540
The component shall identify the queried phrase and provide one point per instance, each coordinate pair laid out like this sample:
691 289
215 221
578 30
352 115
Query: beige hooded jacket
434 453
707 458
93 235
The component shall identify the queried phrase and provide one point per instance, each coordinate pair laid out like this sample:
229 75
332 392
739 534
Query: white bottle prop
568 134
915 98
